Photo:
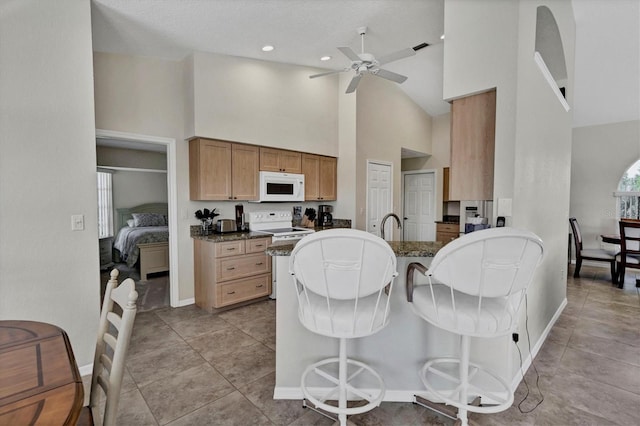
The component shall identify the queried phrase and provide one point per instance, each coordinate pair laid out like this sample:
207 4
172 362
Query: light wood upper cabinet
473 123
445 184
221 170
209 169
244 172
280 160
320 177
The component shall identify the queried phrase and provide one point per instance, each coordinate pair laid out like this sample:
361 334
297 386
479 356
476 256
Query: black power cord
515 341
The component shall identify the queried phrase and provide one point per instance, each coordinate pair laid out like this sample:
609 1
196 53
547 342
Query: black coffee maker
324 215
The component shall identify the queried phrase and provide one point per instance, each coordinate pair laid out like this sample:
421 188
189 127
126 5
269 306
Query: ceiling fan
366 63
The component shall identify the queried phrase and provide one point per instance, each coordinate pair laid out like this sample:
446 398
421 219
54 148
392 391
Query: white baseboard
536 348
185 302
86 370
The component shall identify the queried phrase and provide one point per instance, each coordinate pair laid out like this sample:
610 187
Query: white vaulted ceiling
607 70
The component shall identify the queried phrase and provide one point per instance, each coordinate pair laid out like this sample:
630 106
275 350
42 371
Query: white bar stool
475 288
343 280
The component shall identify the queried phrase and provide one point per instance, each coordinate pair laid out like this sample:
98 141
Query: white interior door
378 197
419 206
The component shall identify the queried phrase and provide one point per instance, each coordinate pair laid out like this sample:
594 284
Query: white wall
386 121
145 96
48 170
596 169
263 103
132 188
491 44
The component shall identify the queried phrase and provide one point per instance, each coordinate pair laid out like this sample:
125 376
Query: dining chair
474 288
343 280
598 255
114 333
629 256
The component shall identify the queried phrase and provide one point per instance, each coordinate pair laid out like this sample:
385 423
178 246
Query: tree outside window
628 193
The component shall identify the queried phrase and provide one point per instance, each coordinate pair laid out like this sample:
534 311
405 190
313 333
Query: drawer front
448 227
242 290
230 248
242 266
446 237
258 245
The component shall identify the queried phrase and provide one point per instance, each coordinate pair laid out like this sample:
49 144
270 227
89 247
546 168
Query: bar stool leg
464 377
342 375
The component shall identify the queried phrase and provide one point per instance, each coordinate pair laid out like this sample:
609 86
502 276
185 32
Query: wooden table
39 378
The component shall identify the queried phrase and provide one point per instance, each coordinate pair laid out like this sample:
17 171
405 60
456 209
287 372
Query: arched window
628 193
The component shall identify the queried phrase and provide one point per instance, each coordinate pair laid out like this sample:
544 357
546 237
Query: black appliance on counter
325 218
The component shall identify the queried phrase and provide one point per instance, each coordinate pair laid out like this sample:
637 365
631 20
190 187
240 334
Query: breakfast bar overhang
397 352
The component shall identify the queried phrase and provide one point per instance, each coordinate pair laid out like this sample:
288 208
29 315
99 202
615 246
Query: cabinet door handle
231 292
261 285
231 248
231 268
259 245
259 263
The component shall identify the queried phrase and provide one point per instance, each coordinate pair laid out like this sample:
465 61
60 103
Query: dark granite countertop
231 236
400 248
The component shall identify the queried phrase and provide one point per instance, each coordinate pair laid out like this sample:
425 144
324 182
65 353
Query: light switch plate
77 222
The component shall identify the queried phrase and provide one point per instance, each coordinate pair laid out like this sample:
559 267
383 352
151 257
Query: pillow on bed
148 219
131 223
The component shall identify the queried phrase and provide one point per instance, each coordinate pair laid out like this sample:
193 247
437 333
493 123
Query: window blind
105 205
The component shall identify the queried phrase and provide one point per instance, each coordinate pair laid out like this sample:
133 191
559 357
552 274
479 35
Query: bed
143 237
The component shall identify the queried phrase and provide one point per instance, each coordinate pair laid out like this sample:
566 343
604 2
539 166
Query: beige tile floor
188 367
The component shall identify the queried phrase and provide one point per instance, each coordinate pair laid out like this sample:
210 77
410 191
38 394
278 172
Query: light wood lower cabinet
231 272
447 232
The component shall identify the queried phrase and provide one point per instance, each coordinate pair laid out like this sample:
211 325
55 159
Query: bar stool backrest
495 262
341 276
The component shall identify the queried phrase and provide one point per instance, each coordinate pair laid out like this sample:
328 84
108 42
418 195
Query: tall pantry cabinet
473 128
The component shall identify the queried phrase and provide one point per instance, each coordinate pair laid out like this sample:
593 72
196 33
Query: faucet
384 219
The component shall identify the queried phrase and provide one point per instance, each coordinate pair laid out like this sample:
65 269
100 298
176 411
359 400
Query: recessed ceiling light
267 48
442 37
325 58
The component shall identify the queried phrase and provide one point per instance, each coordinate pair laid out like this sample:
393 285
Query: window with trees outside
628 193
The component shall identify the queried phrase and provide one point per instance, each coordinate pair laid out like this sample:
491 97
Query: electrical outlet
77 222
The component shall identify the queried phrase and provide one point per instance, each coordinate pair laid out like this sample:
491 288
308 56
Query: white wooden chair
475 286
343 280
114 333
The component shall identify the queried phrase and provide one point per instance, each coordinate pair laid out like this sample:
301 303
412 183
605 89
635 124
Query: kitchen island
397 352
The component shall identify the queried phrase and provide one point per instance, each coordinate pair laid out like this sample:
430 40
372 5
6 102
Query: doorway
379 196
419 205
169 144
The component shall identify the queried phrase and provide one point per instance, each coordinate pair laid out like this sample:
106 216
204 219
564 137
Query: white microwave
281 187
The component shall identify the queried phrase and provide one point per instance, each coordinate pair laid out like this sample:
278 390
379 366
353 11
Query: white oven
278 224
279 187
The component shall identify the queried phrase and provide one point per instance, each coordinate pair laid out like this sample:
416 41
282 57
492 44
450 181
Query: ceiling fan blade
398 78
322 74
354 83
349 53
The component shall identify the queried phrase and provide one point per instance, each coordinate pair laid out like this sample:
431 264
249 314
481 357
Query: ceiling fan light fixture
267 48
